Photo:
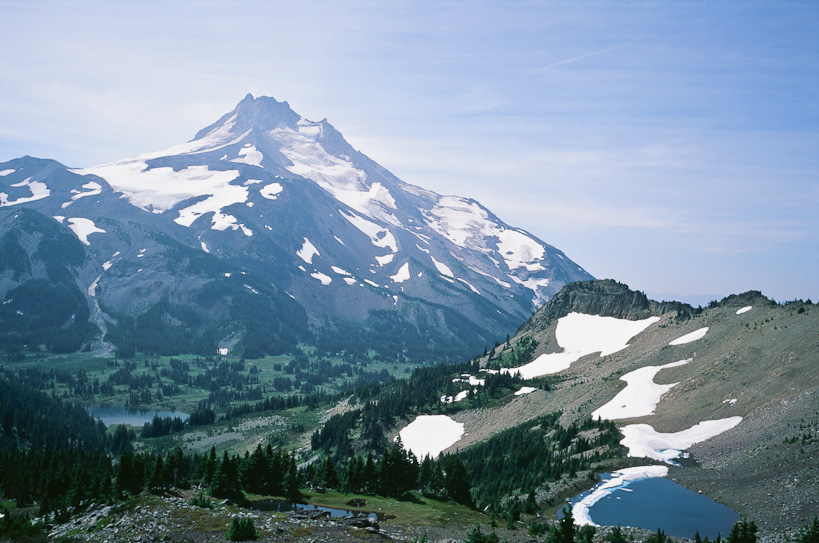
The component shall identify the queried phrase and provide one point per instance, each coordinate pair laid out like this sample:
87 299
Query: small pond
282 506
120 414
658 502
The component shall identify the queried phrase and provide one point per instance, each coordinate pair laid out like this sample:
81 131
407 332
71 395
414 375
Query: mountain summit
264 191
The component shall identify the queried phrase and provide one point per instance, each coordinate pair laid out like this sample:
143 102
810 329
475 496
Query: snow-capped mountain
288 201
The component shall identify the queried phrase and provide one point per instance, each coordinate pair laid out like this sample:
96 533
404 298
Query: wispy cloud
581 57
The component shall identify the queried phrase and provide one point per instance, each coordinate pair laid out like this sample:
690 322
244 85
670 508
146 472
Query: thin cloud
581 57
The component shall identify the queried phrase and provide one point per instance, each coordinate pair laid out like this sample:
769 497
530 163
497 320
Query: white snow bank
380 237
688 338
519 250
271 191
3 173
471 287
159 189
92 288
83 228
581 335
250 155
525 390
335 174
384 260
38 192
644 442
403 274
641 395
459 397
325 279
307 251
619 480
431 435
92 188
442 268
744 309
471 379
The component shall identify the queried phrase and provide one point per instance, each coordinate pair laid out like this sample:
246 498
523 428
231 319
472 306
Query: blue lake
120 414
660 503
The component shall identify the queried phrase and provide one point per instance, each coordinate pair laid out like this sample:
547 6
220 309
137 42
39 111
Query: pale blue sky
673 146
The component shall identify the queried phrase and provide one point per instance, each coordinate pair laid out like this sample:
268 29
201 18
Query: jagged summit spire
264 113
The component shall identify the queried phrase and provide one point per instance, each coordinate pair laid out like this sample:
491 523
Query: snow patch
92 188
251 289
643 441
59 218
83 228
324 279
4 173
336 175
159 189
459 397
92 288
744 309
250 155
271 191
204 246
471 379
688 338
519 250
525 390
384 260
442 268
307 251
38 192
641 395
431 435
467 283
580 335
403 274
379 236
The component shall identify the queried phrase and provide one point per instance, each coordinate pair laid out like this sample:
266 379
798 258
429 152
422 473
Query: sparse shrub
659 537
616 535
537 528
200 500
16 526
476 536
810 533
242 529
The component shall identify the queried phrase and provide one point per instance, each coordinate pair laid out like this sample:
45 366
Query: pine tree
564 531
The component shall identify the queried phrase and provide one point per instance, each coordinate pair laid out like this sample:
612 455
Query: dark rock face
607 298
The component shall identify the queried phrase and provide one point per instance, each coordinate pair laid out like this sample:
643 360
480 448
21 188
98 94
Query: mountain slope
270 193
746 363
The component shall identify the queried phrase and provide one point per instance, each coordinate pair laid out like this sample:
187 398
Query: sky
673 146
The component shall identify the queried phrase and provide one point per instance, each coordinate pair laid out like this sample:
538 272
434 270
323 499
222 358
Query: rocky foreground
172 519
